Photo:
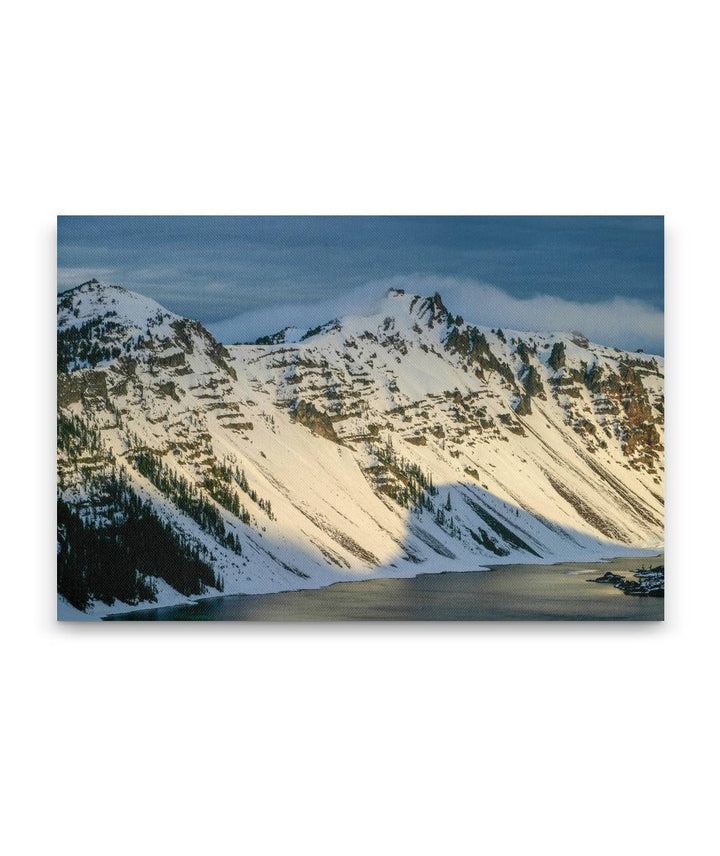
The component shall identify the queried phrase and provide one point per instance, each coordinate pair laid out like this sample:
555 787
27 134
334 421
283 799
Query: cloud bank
621 322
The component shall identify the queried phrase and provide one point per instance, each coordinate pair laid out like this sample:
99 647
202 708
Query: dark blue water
506 593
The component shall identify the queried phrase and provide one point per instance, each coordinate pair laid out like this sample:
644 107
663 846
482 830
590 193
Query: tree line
112 552
187 497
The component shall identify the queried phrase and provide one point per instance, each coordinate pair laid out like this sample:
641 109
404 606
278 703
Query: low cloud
621 322
69 277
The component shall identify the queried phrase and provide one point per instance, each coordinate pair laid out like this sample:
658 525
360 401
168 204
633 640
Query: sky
248 276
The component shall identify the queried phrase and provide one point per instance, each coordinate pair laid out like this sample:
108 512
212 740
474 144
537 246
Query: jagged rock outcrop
556 360
319 423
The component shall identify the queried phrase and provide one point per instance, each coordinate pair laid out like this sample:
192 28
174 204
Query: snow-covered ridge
93 301
401 442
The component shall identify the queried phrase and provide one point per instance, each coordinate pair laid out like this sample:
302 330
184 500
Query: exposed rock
523 352
524 406
472 344
81 386
556 359
649 582
319 423
532 383
511 425
171 361
417 440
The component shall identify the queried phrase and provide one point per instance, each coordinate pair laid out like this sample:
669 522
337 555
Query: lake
557 592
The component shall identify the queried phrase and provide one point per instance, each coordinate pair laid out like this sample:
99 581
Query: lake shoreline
504 592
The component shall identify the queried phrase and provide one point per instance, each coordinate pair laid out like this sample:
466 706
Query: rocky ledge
648 582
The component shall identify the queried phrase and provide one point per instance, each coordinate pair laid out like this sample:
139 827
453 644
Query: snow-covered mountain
388 445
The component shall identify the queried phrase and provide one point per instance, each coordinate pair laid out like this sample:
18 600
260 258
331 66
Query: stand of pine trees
189 499
76 439
78 345
412 488
112 555
227 474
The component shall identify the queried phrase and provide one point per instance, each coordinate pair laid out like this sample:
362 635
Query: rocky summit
404 442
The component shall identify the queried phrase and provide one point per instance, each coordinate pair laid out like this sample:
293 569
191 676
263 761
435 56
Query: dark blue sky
215 267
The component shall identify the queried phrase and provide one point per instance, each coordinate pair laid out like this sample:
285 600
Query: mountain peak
430 310
94 300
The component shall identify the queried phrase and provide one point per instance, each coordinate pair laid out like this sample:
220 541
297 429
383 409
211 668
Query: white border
359 739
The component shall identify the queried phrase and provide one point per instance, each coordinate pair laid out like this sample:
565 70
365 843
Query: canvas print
360 418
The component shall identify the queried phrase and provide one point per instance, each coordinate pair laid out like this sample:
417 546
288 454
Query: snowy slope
386 445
